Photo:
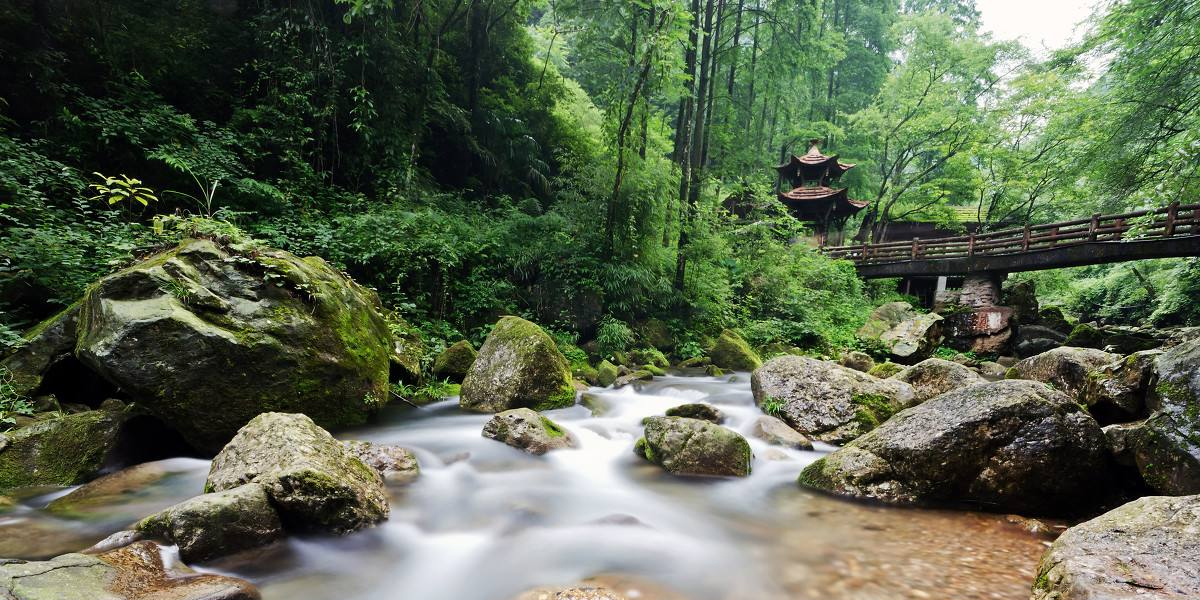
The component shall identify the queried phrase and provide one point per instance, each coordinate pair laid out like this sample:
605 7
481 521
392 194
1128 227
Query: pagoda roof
820 202
814 158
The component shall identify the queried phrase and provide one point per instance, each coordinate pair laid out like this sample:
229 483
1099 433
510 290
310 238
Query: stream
486 522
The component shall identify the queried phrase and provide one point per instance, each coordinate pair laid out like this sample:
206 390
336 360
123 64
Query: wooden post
971 245
1054 237
1025 240
1172 212
1094 226
916 247
866 247
1119 231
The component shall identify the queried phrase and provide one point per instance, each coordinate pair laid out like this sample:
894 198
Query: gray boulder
518 366
885 317
525 429
693 447
1032 340
773 431
217 524
1147 548
1168 447
915 339
1009 445
1117 392
1066 369
65 450
859 361
314 482
934 376
826 401
205 337
134 572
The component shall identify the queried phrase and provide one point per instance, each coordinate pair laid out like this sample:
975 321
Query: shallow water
486 521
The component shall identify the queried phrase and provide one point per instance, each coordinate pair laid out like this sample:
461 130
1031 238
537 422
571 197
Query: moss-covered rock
133 572
1067 369
205 337
633 377
1167 448
314 482
696 362
454 362
606 373
525 429
732 352
655 333
1117 392
885 370
654 370
693 447
914 339
65 450
519 366
1085 336
650 356
885 317
217 524
1145 549
1008 445
826 401
934 376
45 345
714 371
704 412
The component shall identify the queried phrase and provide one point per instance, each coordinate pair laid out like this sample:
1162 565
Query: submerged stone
704 412
217 524
393 463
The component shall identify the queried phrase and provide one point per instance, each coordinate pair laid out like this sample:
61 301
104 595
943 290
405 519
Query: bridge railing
1169 221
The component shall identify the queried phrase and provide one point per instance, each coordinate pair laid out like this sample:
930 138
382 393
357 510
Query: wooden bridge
1173 231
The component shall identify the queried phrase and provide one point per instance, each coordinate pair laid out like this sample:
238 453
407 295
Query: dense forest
589 165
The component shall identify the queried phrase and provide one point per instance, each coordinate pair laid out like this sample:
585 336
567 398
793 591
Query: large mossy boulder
217 524
826 401
527 430
65 450
1117 392
934 376
1147 548
607 373
519 366
915 339
315 483
205 337
455 362
685 446
134 572
1008 446
732 352
1067 369
1167 447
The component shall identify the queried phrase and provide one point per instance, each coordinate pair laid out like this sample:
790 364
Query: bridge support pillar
974 320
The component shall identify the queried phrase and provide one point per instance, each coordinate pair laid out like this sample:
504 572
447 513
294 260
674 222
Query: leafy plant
123 190
613 336
12 404
772 406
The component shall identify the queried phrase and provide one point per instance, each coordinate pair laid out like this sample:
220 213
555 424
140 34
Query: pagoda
812 198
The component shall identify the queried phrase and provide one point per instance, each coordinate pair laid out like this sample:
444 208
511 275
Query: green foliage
122 190
613 336
12 404
772 406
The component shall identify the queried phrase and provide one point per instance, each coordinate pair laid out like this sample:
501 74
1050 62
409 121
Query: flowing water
485 521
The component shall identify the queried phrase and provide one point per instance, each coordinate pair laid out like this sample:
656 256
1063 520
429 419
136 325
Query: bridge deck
1173 231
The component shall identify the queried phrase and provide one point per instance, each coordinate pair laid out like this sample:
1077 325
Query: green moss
873 410
552 428
732 352
1085 336
814 476
654 370
884 370
642 449
1012 373
65 451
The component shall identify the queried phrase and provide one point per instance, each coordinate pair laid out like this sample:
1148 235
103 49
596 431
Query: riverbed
486 522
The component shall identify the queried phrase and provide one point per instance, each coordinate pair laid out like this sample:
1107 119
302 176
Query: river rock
704 412
633 377
859 361
1032 340
983 330
314 482
525 429
732 352
885 317
134 572
1117 392
826 401
774 431
393 463
217 524
913 340
885 370
519 366
1167 451
205 337
1009 445
606 373
1147 548
934 376
454 362
65 450
693 447
1066 369
109 490
51 341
